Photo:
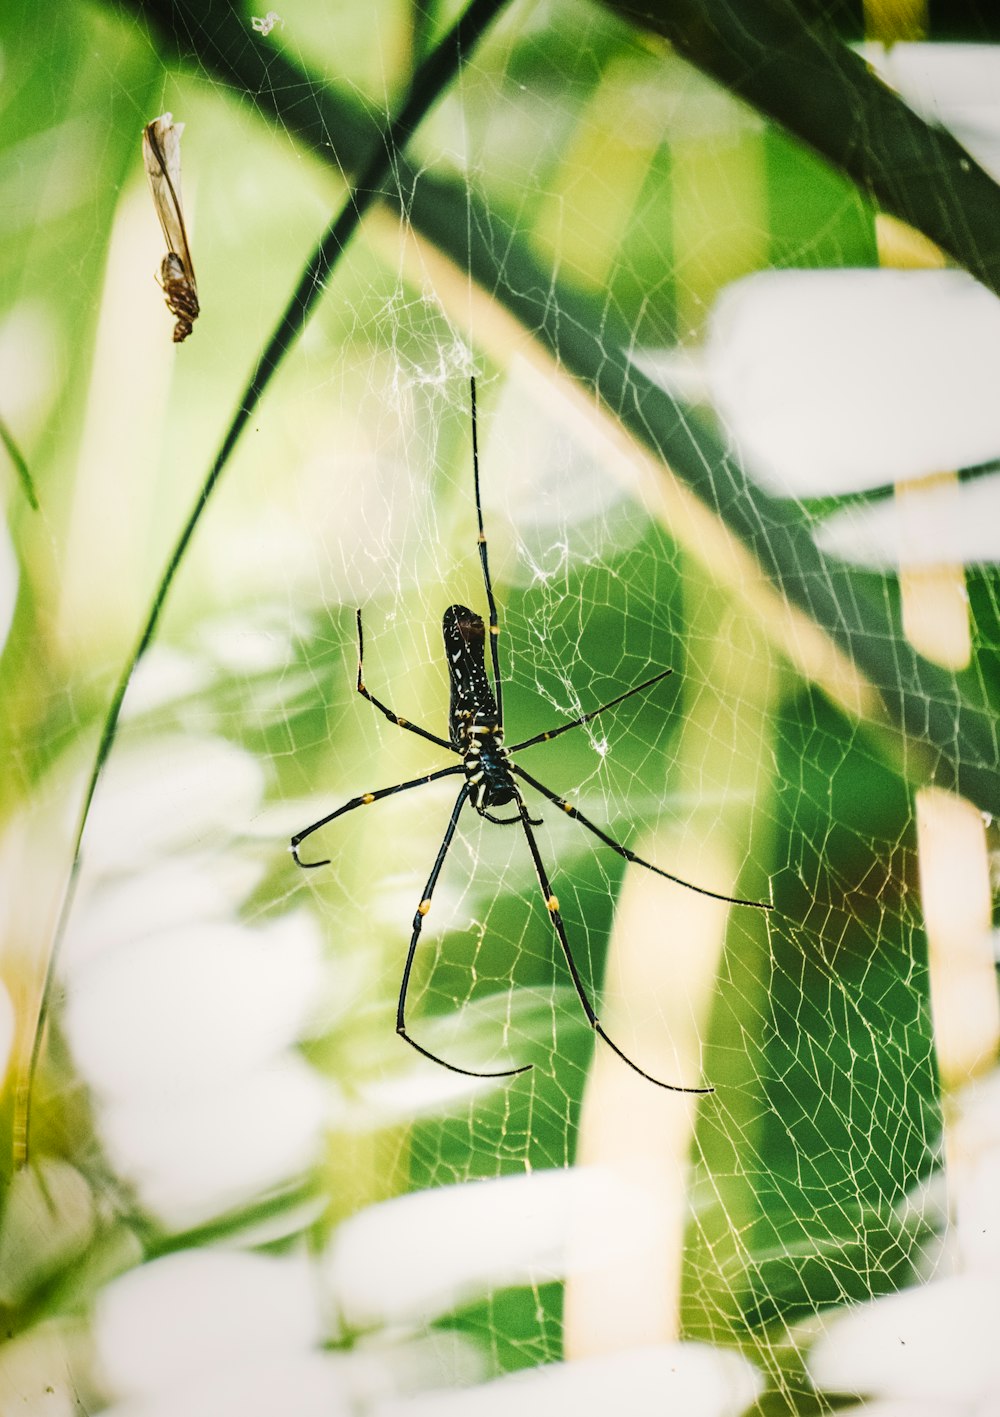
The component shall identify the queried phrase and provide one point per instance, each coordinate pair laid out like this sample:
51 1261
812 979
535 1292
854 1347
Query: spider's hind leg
627 853
552 906
418 921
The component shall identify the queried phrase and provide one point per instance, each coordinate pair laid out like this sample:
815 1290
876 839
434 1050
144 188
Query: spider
475 735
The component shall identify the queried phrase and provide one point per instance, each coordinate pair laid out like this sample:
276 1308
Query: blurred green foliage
598 190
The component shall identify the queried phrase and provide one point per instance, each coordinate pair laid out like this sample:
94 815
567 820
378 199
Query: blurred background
702 337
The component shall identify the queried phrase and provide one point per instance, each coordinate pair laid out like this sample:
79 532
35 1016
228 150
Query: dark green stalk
20 464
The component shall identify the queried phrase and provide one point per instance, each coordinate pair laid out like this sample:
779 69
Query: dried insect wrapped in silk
161 151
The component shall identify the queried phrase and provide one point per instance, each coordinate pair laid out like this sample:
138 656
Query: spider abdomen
473 710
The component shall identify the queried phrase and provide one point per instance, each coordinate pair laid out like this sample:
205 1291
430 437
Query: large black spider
475 734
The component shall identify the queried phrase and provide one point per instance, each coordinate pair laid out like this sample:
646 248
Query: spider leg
572 811
384 708
418 921
509 821
364 800
552 906
483 561
586 717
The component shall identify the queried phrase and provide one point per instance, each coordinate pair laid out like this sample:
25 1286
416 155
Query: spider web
222 1080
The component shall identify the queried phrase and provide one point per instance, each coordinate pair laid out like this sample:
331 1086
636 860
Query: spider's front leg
365 800
389 713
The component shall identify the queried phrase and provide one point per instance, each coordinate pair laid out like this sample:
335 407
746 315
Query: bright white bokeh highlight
953 86
165 675
307 1385
222 1332
182 1020
186 1039
936 1344
30 357
932 1349
198 1154
948 523
180 1317
189 1009
169 793
974 1177
413 1258
687 1378
194 889
841 381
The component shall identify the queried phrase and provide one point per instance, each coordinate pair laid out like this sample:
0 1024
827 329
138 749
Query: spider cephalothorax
475 734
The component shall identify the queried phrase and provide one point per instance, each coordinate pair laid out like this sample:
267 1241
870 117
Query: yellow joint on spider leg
368 798
552 903
402 722
494 629
423 907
